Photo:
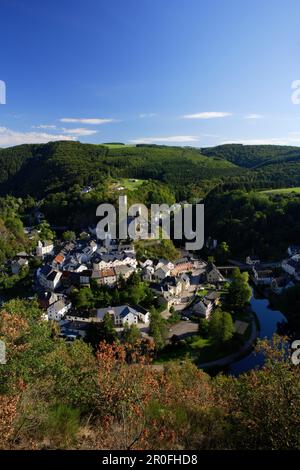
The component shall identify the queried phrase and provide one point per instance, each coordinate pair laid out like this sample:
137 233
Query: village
189 287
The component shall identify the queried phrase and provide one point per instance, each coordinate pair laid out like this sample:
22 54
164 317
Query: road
183 329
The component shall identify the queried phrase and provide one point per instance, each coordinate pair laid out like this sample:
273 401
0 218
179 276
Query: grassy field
282 191
130 184
118 146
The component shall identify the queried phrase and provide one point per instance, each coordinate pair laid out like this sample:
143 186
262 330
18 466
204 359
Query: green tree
158 329
107 330
223 252
45 231
203 328
221 327
83 298
131 334
69 235
239 292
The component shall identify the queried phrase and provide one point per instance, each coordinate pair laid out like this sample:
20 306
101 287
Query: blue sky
187 72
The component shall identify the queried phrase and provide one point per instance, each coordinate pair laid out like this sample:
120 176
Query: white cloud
254 116
206 115
88 120
178 139
44 126
8 137
79 131
147 115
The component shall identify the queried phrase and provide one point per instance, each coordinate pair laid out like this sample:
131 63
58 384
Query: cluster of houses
204 306
78 263
281 277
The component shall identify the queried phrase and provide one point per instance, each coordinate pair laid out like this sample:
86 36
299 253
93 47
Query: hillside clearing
282 191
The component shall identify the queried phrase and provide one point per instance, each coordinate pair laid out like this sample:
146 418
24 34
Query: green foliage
45 232
12 236
62 423
131 334
239 292
175 317
107 330
250 156
158 329
221 328
289 303
156 250
132 292
203 327
222 252
44 169
69 235
27 340
254 222
60 165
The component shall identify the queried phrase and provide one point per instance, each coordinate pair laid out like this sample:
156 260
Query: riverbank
205 352
270 322
227 360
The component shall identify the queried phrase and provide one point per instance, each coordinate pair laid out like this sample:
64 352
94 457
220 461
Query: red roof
59 258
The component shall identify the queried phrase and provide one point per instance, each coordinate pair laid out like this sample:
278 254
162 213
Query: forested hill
253 156
42 169
45 168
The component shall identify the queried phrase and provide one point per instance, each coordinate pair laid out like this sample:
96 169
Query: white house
172 285
48 277
44 248
161 273
147 273
213 275
204 307
124 271
186 282
58 309
164 262
147 262
88 251
111 260
86 189
125 314
108 277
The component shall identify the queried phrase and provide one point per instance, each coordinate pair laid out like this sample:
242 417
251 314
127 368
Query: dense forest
251 156
43 169
255 222
228 177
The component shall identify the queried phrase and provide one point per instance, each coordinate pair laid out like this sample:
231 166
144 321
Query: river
268 321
